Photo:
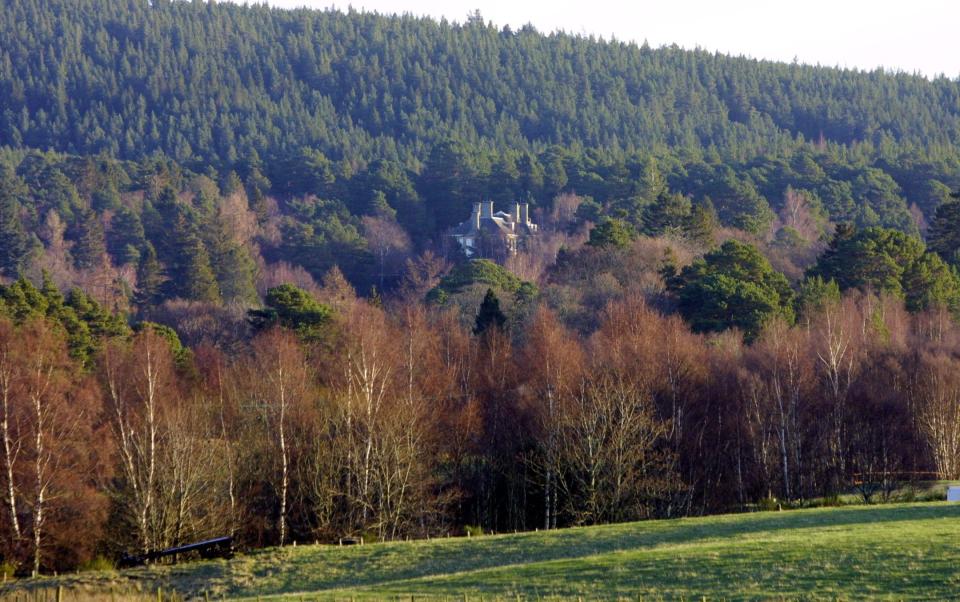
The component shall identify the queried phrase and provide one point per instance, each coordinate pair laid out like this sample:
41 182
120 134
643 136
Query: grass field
903 551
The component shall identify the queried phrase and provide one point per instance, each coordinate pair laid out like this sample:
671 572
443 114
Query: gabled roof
463 229
495 224
487 224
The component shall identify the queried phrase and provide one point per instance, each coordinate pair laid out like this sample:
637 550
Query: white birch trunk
10 449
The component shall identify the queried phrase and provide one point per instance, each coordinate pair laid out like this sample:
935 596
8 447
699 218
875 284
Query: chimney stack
487 209
475 216
516 213
525 214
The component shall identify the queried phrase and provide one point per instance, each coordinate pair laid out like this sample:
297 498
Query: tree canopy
733 287
889 261
293 308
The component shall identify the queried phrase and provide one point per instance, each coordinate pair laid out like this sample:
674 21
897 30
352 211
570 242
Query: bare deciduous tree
389 243
280 384
554 362
936 396
612 469
139 382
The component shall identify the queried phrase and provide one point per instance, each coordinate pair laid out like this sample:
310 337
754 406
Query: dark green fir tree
490 314
13 239
150 279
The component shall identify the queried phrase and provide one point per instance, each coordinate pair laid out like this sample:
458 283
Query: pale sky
909 35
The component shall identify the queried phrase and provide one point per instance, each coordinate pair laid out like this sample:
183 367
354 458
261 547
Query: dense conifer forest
230 303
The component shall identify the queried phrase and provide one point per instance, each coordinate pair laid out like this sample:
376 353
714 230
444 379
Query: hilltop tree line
212 83
170 155
357 138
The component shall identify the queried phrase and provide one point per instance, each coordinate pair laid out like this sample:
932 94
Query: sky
907 35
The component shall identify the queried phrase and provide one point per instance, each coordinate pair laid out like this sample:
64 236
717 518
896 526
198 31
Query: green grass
903 551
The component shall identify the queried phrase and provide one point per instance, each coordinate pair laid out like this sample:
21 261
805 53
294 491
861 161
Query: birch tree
554 361
613 470
280 384
56 411
936 393
782 365
10 392
362 383
138 380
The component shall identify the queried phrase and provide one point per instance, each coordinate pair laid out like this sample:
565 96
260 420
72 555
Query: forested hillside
342 104
212 82
229 304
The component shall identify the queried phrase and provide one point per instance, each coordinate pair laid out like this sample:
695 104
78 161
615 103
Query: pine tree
234 268
702 224
611 233
944 234
183 253
873 259
150 279
293 308
733 287
668 214
257 186
13 239
89 243
931 283
652 185
127 238
814 294
490 314
379 207
447 182
193 275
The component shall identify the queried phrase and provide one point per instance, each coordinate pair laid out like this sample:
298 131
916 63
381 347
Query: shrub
7 570
100 563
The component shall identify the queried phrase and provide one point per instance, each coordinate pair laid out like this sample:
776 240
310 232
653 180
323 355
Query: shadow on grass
327 568
320 568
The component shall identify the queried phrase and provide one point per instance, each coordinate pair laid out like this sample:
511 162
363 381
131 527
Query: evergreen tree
733 287
13 239
740 205
668 214
489 315
944 235
89 242
293 308
611 232
106 198
931 283
102 323
192 276
379 206
181 250
652 185
702 224
555 177
449 184
79 337
127 238
231 262
814 294
150 279
22 300
257 185
875 258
